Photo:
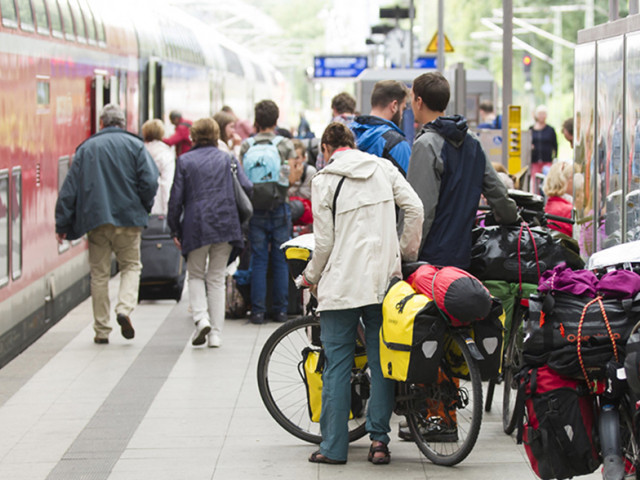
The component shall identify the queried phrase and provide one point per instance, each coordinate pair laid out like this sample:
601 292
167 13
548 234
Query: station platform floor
157 408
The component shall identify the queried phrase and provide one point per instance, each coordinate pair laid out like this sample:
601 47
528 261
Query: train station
312 238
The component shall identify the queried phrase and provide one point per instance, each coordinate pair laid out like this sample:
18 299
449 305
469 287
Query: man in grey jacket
108 193
449 171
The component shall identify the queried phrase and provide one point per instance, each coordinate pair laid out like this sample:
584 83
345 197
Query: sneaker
213 340
435 432
257 318
280 317
100 340
125 326
203 327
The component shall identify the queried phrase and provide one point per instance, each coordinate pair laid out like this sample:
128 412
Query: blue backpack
263 165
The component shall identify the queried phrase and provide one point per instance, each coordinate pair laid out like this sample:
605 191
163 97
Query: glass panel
63 169
42 20
610 124
4 228
16 224
67 20
583 141
54 16
81 33
42 92
88 20
9 17
26 15
233 62
633 137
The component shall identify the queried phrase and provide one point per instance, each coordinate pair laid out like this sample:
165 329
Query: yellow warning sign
433 44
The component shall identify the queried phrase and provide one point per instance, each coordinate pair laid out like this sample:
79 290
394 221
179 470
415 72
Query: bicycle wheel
282 389
511 365
629 441
445 417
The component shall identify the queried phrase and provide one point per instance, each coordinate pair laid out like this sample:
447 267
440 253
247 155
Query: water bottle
609 427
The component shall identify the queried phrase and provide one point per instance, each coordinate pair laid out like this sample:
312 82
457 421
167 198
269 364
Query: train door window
67 20
42 21
16 223
81 32
4 227
9 16
54 18
63 169
632 150
26 15
88 20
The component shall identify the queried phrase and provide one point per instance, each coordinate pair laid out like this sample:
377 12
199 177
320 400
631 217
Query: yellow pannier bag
411 337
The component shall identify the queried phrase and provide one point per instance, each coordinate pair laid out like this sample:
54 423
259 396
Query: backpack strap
524 376
251 141
304 173
392 138
335 200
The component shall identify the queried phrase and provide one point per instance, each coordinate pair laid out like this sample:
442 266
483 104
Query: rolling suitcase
163 268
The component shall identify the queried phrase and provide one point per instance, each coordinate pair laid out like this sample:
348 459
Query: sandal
317 457
380 448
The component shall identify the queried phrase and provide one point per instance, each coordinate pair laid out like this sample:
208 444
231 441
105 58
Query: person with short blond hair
555 188
152 133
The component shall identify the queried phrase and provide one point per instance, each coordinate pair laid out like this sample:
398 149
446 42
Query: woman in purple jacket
204 223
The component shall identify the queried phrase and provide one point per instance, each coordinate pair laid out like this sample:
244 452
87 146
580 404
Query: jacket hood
453 129
368 128
352 164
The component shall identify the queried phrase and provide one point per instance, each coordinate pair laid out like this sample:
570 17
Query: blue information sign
425 62
339 66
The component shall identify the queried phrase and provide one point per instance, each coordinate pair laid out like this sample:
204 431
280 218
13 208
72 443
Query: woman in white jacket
356 254
162 154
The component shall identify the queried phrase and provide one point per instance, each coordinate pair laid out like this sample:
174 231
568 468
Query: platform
156 408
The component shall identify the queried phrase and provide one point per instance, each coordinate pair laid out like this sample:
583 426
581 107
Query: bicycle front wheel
281 387
445 417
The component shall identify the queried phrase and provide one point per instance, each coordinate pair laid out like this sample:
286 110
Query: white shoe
203 327
213 340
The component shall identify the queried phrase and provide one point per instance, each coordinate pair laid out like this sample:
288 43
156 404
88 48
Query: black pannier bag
518 253
551 332
488 335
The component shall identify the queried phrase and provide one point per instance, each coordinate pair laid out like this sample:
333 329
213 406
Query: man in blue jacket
379 133
108 193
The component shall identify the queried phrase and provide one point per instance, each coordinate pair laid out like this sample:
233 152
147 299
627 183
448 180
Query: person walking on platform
152 133
204 222
354 200
343 110
180 137
108 193
265 159
544 145
379 133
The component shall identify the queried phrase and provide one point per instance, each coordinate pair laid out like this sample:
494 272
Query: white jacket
165 160
354 262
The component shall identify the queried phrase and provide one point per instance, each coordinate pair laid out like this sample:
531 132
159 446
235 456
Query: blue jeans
268 229
338 335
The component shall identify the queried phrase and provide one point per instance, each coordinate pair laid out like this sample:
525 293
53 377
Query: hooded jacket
382 138
112 180
355 257
449 171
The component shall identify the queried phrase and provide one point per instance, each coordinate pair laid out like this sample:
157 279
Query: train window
9 17
4 227
54 17
88 20
26 15
16 223
102 39
42 21
42 93
81 32
233 62
259 73
67 20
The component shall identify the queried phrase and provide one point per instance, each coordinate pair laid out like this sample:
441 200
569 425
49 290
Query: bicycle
457 395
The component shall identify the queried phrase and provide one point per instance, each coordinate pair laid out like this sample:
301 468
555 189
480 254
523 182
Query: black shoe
100 340
257 318
280 317
432 433
125 326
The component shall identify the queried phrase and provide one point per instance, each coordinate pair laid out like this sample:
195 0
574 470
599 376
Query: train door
100 96
154 89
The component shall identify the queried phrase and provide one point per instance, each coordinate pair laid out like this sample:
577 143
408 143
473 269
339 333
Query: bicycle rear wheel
281 387
445 417
511 365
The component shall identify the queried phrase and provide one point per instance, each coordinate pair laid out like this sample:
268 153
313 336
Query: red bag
307 217
457 293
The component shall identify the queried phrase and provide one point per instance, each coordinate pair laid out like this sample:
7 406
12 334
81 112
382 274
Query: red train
60 62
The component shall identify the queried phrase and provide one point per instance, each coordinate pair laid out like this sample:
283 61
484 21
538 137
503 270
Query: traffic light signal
526 64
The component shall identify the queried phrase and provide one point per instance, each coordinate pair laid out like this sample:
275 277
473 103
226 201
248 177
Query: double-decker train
61 61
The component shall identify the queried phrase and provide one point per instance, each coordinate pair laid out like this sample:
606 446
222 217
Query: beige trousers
125 243
207 302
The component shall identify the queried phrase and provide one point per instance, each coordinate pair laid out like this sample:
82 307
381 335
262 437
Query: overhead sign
433 44
425 62
339 66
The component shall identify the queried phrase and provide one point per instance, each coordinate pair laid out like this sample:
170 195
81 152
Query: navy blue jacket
383 138
449 171
202 206
112 180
